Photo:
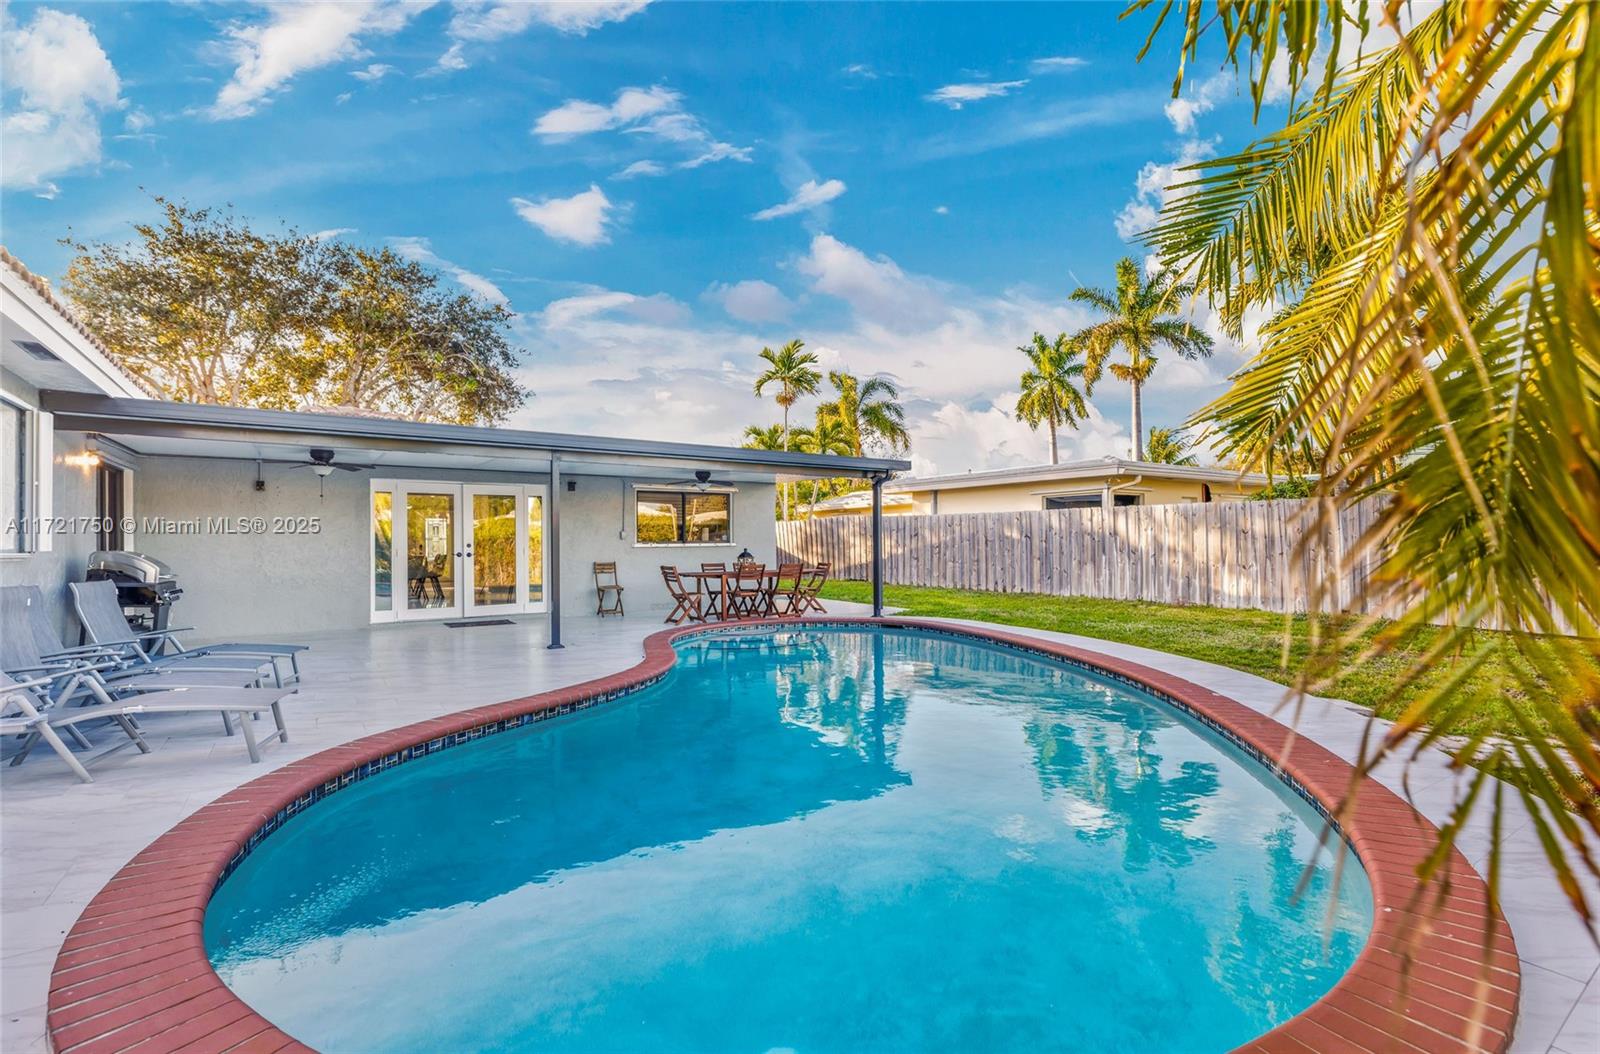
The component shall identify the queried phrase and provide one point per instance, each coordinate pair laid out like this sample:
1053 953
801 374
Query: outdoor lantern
745 557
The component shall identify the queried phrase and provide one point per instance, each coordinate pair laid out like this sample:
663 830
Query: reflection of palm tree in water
839 687
1294 925
1103 758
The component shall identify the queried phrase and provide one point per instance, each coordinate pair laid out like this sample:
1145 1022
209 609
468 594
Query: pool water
813 840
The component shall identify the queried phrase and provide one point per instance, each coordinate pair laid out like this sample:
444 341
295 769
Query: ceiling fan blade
354 468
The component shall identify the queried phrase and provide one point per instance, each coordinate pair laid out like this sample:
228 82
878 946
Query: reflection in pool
817 840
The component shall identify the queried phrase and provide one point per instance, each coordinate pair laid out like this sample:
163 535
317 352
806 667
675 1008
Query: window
673 517
14 457
1120 500
1073 501
108 507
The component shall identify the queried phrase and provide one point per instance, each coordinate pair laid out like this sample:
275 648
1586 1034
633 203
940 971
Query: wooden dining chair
689 605
784 592
713 586
607 585
747 593
816 578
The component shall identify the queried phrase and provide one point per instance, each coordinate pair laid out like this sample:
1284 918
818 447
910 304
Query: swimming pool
814 839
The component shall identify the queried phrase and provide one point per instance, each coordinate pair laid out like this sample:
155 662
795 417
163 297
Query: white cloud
332 232
860 69
956 96
951 350
485 21
957 437
374 72
58 82
751 301
656 112
137 121
810 195
584 219
642 168
942 210
1153 188
577 117
1198 98
420 250
298 37
1056 64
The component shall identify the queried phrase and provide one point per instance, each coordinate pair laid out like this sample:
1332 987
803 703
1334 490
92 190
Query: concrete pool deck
60 843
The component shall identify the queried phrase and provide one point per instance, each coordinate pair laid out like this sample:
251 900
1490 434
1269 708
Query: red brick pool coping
133 974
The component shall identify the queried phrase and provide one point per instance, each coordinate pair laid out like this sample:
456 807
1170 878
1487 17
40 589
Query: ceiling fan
702 481
322 463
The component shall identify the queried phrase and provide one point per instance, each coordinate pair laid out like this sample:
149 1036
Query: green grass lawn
1245 640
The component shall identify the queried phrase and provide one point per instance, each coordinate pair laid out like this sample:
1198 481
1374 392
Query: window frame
683 494
35 480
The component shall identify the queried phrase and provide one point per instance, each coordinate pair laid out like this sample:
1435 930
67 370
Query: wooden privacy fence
1242 554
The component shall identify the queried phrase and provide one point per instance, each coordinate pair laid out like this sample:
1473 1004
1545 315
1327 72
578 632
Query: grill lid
136 566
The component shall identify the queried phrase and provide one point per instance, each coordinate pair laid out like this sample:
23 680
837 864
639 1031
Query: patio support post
877 546
553 547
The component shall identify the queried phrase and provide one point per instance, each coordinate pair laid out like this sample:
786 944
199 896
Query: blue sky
656 191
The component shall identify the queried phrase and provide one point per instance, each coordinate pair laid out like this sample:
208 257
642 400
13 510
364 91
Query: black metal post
877 546
553 548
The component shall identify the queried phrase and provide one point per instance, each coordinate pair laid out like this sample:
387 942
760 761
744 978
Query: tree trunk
1138 425
783 488
1055 456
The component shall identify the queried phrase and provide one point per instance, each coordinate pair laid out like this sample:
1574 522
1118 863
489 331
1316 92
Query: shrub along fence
1242 554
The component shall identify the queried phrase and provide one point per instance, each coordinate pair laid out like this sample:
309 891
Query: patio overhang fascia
129 419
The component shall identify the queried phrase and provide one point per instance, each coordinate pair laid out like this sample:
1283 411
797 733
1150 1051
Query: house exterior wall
1029 496
73 497
241 585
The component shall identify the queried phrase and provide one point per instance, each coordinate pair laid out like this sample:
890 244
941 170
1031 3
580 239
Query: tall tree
1050 394
1137 321
1428 212
205 309
1169 446
830 435
870 412
792 371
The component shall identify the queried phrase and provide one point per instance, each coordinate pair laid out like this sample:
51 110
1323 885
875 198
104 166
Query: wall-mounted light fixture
572 486
90 458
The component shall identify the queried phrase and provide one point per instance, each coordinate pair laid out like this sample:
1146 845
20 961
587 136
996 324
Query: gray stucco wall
244 585
70 549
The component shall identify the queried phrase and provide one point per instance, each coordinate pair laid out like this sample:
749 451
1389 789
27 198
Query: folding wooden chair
815 579
606 584
785 593
747 593
688 604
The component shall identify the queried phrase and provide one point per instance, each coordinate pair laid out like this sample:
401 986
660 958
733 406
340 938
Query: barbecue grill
145 586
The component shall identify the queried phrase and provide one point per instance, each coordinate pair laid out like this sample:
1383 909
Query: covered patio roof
157 428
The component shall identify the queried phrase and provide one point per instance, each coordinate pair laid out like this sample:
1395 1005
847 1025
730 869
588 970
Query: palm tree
1137 321
830 435
870 412
791 370
1169 446
759 438
1050 393
1427 214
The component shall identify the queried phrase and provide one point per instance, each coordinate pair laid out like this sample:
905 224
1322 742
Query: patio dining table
720 597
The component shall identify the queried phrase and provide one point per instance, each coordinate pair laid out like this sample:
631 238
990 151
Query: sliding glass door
443 550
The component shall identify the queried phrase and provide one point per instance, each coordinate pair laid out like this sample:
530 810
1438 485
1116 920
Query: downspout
553 544
1108 501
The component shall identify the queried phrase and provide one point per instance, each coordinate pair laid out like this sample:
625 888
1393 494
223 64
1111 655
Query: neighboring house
402 521
860 502
1105 482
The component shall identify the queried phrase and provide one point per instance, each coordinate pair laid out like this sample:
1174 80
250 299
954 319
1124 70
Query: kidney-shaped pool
812 839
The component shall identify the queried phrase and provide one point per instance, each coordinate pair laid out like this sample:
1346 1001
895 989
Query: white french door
451 550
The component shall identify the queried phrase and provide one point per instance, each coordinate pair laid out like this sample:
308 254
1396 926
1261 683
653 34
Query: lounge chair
91 674
240 703
100 614
21 714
